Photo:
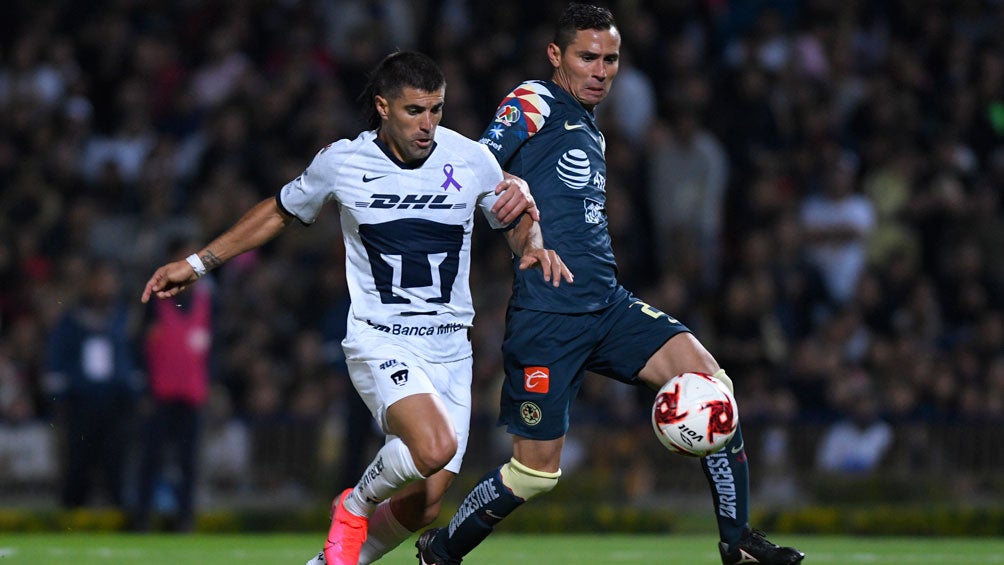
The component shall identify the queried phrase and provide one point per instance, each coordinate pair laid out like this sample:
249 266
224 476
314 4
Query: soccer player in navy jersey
407 192
545 133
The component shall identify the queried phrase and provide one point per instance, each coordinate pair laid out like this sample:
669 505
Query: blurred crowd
814 187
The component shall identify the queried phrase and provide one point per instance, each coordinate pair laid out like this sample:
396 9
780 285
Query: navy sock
728 475
484 507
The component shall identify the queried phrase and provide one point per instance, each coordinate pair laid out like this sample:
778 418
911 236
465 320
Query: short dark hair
395 72
577 17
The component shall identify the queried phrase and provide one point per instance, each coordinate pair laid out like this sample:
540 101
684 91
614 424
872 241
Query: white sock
384 534
391 469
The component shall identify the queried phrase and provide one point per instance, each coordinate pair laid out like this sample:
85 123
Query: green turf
86 548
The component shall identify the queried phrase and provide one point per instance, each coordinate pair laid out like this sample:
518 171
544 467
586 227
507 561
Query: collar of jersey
567 98
390 155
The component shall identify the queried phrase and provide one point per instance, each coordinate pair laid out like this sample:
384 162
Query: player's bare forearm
527 242
259 225
514 200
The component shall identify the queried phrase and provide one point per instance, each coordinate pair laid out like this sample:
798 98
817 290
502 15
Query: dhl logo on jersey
413 201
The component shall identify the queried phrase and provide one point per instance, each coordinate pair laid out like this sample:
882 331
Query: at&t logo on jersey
413 201
574 170
537 379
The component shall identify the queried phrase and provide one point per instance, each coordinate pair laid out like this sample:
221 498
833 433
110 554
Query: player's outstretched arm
527 243
260 224
515 200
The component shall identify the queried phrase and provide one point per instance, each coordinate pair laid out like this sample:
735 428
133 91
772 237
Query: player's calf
495 496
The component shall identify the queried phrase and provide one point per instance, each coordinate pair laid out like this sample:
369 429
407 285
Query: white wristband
197 265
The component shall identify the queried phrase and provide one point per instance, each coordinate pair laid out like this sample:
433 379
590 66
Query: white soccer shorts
383 372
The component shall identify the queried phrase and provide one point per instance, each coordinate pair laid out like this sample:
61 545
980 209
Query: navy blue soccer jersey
542 134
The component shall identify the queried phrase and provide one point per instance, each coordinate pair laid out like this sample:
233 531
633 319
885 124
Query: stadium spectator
686 183
225 455
28 456
861 439
93 382
178 364
837 222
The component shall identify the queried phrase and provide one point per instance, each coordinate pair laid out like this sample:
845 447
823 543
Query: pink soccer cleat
346 535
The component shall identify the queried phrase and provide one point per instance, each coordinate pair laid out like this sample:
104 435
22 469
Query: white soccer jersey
407 235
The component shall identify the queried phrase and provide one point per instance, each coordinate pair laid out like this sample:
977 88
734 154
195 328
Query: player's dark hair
577 17
395 72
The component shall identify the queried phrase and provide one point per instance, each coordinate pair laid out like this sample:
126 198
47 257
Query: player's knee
434 454
720 375
525 482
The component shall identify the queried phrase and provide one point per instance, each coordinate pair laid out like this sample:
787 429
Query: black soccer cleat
754 547
425 554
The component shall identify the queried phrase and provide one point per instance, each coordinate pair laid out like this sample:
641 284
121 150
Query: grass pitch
500 549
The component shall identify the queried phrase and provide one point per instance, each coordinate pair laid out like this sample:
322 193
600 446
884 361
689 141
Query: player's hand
169 280
550 263
515 200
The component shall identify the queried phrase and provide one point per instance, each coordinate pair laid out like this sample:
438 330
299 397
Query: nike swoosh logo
738 449
371 179
570 127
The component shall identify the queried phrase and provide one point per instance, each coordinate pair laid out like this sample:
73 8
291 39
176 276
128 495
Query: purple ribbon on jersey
448 171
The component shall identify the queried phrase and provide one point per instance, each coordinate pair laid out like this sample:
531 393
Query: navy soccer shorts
546 355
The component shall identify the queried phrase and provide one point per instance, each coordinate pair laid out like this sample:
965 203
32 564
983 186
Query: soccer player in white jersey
406 191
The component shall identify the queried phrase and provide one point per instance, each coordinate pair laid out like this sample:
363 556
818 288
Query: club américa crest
530 413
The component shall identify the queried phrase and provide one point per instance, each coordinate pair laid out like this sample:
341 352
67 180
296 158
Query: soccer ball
694 414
